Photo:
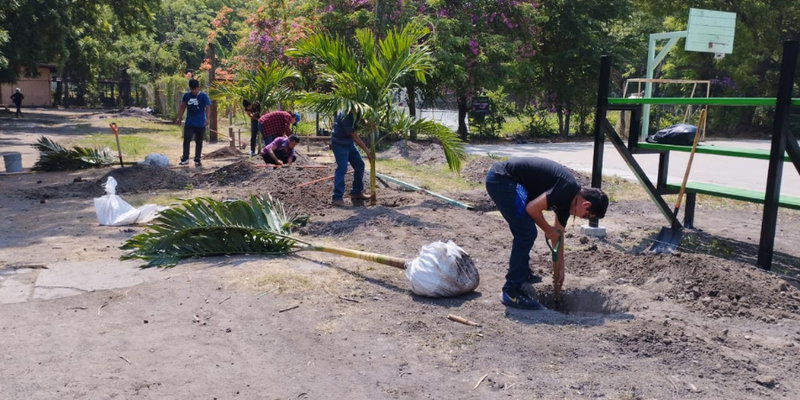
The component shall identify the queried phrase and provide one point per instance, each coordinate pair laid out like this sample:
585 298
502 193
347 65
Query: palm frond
268 84
452 146
205 227
54 157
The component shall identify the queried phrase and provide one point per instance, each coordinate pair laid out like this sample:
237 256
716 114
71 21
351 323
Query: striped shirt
276 123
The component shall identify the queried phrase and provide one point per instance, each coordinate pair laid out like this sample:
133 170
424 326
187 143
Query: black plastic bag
680 134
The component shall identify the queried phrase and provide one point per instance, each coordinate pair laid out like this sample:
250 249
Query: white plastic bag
156 160
149 212
111 209
442 270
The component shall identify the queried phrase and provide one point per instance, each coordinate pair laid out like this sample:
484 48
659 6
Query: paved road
728 171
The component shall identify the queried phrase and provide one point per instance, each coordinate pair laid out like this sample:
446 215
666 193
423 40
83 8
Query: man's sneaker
533 278
197 163
519 299
253 154
360 196
184 162
337 203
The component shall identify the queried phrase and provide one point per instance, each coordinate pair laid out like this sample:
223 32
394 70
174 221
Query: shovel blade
667 241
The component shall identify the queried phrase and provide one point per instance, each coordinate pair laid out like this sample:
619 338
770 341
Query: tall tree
48 31
476 42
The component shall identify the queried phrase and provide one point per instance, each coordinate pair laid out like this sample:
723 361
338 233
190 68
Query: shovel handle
113 126
554 249
701 126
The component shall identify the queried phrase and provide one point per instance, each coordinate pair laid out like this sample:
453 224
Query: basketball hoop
719 56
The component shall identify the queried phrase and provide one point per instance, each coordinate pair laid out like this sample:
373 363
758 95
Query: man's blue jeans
344 154
503 190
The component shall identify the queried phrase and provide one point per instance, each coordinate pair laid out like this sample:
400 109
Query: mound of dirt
145 178
475 169
225 152
303 159
145 113
232 174
416 152
705 284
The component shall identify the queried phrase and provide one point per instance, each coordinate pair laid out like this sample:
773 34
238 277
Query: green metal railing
711 101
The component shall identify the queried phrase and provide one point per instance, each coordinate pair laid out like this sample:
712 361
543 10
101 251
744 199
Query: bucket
13 162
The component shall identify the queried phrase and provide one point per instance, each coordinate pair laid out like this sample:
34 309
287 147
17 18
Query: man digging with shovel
522 188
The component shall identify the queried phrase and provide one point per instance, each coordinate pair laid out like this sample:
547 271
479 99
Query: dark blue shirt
196 109
542 176
343 128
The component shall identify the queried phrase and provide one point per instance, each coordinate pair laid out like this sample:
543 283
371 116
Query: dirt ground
701 324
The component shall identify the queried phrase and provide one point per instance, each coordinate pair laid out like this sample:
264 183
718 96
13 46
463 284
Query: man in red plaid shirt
275 124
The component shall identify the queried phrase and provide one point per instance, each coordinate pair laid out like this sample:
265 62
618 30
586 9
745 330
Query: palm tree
204 227
268 84
364 82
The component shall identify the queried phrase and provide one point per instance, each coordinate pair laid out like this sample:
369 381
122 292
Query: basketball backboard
710 31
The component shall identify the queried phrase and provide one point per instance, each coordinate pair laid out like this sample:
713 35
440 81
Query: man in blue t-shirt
198 109
343 143
523 188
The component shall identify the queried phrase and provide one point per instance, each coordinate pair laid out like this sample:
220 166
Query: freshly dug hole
584 302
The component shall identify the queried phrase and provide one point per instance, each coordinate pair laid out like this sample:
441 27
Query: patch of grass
619 189
128 125
137 200
436 178
514 126
132 146
137 137
275 276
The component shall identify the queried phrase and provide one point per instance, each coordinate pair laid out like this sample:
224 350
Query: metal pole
600 116
783 108
648 86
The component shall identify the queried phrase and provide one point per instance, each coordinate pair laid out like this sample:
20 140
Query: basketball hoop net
719 56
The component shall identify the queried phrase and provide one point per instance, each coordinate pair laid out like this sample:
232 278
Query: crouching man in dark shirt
523 188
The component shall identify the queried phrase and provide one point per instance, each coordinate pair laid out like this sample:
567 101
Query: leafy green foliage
268 84
363 80
203 227
54 157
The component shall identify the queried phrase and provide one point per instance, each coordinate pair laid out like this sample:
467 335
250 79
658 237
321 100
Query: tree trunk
212 123
463 107
411 95
66 88
560 115
567 116
373 195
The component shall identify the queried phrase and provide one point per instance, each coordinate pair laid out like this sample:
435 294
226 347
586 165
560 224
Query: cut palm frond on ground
204 227
54 157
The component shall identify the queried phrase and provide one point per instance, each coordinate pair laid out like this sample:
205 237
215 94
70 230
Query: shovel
669 237
558 271
113 126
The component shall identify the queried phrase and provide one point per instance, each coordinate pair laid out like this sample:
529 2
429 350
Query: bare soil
693 325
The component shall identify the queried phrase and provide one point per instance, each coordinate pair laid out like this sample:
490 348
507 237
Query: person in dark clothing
343 143
254 112
17 99
198 107
523 188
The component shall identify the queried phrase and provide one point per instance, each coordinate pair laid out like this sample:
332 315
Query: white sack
157 160
111 209
442 270
149 212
